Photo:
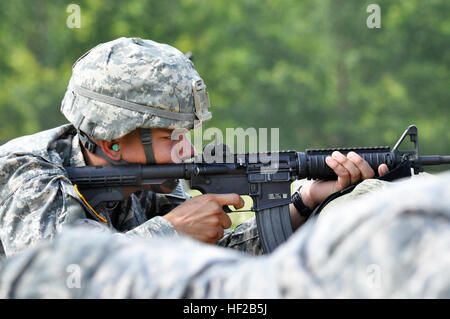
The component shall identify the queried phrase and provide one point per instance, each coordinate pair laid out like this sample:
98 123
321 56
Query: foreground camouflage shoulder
244 237
389 244
392 244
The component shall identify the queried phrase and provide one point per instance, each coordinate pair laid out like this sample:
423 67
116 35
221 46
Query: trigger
226 209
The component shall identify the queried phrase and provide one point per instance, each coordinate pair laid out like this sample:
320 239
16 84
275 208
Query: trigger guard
226 209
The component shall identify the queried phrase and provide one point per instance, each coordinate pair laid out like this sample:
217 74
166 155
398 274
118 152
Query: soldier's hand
202 217
349 169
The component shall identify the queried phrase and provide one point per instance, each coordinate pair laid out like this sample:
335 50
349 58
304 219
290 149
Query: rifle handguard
374 156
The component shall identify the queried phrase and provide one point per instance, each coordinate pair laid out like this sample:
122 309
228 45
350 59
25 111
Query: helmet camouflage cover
131 83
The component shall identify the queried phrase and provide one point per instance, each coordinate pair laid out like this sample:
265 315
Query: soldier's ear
111 149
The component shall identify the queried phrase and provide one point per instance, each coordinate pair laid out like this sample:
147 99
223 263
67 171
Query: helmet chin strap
146 141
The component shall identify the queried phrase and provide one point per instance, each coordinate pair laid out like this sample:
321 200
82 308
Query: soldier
124 100
391 244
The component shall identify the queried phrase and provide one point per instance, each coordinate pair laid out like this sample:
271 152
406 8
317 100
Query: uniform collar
77 158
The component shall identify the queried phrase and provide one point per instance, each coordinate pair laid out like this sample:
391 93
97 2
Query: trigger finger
241 203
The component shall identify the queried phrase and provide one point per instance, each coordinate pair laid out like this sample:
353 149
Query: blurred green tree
311 68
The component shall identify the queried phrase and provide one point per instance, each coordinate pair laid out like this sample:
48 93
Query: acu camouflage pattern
133 70
390 244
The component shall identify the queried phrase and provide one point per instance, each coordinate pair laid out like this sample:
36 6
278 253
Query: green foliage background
311 68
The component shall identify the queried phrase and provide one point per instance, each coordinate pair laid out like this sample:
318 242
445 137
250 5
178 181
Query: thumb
383 169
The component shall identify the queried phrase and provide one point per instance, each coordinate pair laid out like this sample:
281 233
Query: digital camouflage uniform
115 88
390 244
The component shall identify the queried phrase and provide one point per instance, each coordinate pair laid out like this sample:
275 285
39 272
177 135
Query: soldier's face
169 147
165 147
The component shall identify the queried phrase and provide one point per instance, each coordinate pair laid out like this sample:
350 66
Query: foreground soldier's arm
394 247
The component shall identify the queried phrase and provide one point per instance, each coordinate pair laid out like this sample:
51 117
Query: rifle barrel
433 160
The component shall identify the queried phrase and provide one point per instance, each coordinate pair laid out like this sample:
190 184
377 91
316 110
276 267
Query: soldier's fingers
220 233
225 220
336 167
353 170
364 167
229 199
344 178
383 169
211 235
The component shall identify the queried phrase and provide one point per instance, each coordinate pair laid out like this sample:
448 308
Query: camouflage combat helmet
131 83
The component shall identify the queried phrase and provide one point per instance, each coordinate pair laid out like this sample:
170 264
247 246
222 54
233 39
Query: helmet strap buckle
201 100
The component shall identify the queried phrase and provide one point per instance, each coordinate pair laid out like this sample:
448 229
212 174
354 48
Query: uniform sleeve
155 227
156 206
244 237
37 207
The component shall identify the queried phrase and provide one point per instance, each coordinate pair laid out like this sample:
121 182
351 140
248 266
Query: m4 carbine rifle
248 174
